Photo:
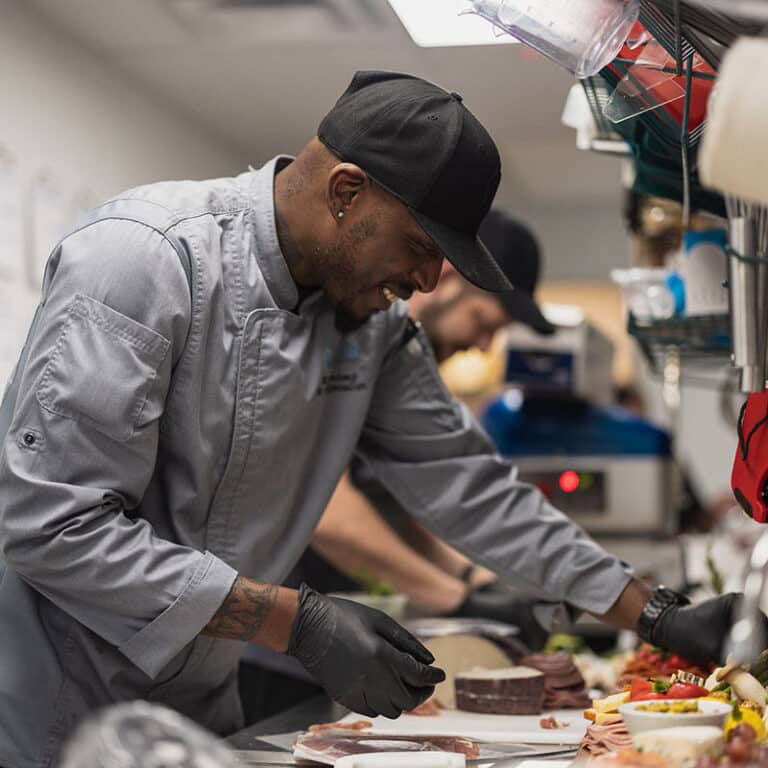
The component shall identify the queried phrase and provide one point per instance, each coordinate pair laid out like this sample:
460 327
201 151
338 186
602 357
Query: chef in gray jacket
205 360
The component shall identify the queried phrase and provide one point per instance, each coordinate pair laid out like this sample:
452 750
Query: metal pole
745 310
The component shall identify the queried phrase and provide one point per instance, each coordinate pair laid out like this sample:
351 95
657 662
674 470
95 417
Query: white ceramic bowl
403 760
710 713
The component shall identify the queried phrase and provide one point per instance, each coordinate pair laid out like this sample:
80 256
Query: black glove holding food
364 659
491 602
697 632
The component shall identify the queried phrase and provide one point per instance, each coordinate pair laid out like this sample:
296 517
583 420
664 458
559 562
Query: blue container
547 426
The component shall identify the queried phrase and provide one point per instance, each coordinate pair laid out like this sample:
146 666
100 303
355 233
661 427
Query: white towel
734 151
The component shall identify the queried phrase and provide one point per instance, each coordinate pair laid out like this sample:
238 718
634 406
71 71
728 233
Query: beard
346 322
342 284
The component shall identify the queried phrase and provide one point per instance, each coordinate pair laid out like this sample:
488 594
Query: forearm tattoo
243 612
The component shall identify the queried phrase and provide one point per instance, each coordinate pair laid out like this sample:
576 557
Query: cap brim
521 307
466 253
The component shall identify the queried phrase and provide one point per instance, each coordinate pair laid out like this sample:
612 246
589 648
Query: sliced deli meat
602 739
328 745
564 686
357 725
461 652
510 691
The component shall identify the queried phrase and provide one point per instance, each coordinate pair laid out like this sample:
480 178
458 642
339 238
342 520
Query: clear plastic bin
581 35
647 293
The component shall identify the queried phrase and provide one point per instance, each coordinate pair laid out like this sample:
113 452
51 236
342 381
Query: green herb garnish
371 585
716 580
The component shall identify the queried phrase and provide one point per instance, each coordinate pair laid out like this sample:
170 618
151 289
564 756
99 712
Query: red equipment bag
749 478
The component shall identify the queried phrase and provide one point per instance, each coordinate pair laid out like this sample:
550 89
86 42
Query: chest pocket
102 368
157 218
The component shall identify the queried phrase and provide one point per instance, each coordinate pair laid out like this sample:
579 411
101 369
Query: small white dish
637 720
403 760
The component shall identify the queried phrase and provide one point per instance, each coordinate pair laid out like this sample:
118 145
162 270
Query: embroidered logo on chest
343 369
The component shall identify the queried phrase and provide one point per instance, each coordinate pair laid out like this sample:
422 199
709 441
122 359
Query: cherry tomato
686 691
642 690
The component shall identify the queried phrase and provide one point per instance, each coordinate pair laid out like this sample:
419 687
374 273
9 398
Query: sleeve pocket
101 368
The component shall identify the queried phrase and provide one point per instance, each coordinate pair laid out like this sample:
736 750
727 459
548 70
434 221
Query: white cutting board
546 764
500 728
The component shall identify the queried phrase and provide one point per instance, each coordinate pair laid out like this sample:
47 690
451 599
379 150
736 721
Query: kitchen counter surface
319 709
316 710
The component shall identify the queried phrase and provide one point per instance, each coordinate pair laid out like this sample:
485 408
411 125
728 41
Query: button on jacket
174 430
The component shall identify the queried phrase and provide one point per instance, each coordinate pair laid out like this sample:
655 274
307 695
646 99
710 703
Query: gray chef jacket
174 430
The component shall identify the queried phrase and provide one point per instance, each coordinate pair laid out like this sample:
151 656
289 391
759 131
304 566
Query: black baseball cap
422 145
516 251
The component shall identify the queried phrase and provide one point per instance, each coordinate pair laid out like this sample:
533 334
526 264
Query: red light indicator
569 481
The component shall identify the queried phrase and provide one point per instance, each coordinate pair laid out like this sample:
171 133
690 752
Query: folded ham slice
357 725
602 739
327 745
564 687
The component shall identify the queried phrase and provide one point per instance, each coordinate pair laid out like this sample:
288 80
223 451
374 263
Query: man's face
465 318
379 254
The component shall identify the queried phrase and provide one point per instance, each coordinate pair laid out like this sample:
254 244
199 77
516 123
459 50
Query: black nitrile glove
698 632
501 605
364 659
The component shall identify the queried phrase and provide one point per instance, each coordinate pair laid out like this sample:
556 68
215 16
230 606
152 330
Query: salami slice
510 691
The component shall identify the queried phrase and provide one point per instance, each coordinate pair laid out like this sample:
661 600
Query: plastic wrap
141 735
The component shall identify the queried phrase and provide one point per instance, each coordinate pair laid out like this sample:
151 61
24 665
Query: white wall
67 114
579 241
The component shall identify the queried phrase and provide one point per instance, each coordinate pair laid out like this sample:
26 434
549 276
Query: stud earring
341 214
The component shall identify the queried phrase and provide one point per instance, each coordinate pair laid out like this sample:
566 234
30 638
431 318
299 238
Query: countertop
319 709
316 710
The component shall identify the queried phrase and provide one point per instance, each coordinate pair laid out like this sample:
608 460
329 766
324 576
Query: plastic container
705 271
648 293
581 35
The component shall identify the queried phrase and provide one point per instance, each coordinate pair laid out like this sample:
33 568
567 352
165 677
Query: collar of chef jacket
266 255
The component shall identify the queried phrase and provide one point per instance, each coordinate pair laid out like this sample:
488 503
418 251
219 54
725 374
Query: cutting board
495 728
546 764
